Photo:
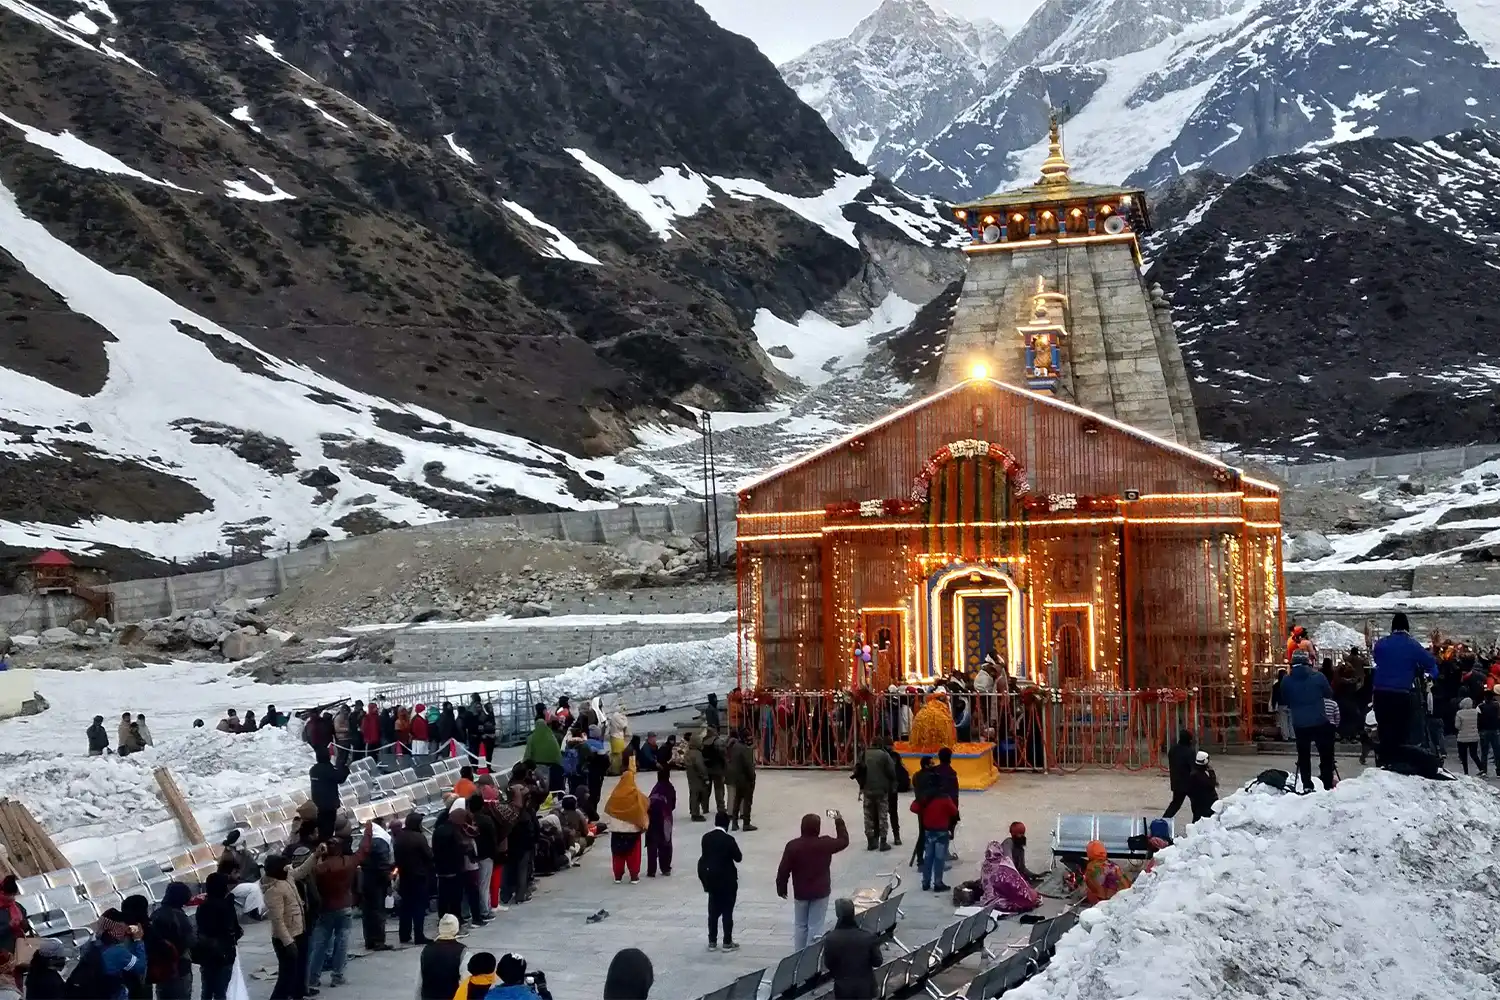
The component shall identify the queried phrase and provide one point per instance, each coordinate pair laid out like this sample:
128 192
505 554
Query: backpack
1161 829
87 980
903 779
162 958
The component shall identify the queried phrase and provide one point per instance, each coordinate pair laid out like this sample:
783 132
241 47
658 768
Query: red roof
52 557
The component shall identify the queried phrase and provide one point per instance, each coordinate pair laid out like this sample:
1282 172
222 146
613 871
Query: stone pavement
666 917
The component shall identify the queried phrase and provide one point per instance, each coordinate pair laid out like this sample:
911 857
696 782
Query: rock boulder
205 631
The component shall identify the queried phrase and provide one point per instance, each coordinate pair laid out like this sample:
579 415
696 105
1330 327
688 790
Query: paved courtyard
666 916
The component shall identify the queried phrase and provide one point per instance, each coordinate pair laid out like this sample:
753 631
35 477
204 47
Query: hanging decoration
970 448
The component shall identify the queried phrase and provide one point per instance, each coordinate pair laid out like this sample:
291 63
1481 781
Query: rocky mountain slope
1156 88
1341 302
270 266
903 71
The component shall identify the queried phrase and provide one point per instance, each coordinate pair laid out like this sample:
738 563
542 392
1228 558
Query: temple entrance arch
973 611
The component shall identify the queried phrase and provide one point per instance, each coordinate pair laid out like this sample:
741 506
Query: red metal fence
1039 729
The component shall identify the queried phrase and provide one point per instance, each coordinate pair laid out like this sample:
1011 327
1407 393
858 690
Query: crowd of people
1402 701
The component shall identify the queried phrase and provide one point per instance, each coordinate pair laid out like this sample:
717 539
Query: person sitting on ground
198 724
1102 878
441 961
481 976
851 955
630 975
1002 886
134 741
1018 853
510 975
230 723
1202 787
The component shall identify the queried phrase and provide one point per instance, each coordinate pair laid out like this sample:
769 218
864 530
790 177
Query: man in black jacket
169 945
324 779
851 955
375 886
98 737
413 858
449 850
720 879
1179 768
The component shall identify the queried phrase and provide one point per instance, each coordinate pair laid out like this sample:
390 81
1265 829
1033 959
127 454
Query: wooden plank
22 852
178 805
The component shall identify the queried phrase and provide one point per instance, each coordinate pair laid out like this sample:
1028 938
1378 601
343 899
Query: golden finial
1055 167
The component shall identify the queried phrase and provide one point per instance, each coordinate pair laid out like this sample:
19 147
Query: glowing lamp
1077 212
979 370
1105 210
961 214
1046 215
989 220
1018 218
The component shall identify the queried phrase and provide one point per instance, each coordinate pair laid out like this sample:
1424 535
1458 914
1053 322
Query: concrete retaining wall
1442 460
652 601
1460 580
1360 582
157 597
519 652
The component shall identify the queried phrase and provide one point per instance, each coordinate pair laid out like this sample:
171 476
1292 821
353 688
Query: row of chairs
1020 966
801 973
69 900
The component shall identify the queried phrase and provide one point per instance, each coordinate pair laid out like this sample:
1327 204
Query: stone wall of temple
1121 360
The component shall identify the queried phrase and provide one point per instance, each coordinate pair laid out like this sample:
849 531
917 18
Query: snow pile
1333 639
1385 887
669 664
212 769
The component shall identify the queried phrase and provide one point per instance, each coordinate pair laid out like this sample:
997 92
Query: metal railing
1036 729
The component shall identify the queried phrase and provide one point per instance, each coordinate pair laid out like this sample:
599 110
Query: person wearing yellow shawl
629 813
932 727
543 751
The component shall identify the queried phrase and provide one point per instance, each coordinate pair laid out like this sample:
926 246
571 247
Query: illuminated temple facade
1001 517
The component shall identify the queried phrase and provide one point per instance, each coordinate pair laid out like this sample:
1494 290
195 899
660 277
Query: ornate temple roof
1055 185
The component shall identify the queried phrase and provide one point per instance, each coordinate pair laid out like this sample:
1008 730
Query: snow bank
1333 639
668 664
1385 887
212 769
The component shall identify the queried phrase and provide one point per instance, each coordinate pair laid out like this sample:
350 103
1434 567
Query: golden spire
1055 167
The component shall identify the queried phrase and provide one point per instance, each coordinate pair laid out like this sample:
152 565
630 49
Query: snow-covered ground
83 800
1386 887
1448 501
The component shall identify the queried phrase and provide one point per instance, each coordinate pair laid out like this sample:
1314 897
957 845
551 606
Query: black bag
1419 762
87 980
1275 778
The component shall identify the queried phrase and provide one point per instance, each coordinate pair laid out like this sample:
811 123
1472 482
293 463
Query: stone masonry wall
1122 358
160 596
544 650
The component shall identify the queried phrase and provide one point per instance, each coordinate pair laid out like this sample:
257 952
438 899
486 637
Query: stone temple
1055 301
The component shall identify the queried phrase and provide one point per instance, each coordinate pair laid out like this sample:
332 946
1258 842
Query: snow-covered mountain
1340 302
899 75
1156 88
268 266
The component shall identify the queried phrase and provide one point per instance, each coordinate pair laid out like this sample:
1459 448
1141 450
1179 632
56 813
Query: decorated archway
973 611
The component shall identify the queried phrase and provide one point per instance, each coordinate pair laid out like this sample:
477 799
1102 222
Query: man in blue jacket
1303 691
1398 659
